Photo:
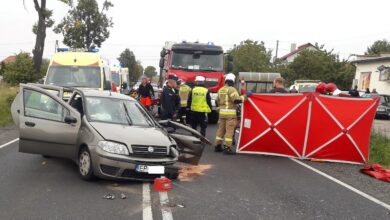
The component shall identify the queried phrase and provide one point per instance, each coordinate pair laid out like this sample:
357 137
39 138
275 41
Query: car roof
104 94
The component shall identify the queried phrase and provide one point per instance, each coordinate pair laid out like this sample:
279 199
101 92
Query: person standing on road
278 86
354 92
199 100
145 93
293 90
169 99
184 92
227 101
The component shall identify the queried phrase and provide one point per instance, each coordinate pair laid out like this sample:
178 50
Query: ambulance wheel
213 117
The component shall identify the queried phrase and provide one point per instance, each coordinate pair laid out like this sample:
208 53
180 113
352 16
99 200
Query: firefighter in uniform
227 101
184 92
200 102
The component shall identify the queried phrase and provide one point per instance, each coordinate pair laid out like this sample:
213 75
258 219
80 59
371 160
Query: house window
364 81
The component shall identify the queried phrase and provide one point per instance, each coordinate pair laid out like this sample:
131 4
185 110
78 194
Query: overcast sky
348 27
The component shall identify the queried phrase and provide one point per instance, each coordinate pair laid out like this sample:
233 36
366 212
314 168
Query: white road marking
165 209
146 203
373 199
8 143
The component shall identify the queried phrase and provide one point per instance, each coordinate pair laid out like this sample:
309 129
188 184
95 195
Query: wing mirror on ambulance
107 85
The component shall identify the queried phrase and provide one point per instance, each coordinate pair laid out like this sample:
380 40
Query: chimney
293 47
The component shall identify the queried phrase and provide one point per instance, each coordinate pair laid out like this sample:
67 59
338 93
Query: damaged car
109 135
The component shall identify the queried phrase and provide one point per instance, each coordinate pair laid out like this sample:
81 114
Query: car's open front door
55 90
190 143
47 125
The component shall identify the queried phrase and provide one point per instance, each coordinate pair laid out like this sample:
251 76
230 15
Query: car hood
132 135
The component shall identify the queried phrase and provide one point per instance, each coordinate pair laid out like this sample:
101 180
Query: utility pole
276 53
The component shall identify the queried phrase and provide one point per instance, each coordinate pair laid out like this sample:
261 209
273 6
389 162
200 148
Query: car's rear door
190 143
47 125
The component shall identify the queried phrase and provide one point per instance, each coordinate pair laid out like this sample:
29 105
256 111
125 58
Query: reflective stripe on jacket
184 91
199 101
226 97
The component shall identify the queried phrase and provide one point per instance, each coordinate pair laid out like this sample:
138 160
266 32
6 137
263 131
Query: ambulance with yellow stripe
78 69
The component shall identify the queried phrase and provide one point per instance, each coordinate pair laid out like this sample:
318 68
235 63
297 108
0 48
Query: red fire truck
188 60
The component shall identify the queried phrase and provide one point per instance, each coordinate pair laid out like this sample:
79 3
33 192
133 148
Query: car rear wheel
85 165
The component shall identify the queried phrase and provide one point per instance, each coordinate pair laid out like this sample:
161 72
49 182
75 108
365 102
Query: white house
373 72
294 52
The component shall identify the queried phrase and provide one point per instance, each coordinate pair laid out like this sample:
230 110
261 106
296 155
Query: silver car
108 135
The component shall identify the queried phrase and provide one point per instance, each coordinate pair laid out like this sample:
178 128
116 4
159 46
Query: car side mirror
70 119
107 85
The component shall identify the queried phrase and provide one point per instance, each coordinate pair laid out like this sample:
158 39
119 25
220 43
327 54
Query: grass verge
380 149
7 95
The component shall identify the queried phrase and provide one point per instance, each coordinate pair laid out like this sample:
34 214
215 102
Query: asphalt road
234 187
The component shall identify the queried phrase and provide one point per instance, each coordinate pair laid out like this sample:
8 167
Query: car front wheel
85 165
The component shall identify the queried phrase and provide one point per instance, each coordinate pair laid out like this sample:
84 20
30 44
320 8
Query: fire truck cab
188 60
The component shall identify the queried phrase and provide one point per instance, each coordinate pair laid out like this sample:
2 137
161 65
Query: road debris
43 163
162 184
109 196
123 196
188 173
180 206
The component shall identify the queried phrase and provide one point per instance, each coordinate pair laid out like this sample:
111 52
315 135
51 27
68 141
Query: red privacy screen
307 126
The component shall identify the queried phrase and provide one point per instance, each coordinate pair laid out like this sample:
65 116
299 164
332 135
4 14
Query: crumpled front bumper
112 166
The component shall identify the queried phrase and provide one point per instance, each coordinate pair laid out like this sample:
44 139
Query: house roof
369 59
9 59
299 49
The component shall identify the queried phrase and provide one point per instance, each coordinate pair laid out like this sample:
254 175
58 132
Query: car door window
39 105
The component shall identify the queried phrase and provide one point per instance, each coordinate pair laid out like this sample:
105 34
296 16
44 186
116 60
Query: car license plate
381 110
150 169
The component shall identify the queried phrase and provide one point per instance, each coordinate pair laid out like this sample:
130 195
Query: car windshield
74 76
115 78
307 88
116 111
190 60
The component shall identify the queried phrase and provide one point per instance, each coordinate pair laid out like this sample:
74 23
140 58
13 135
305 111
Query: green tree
39 29
139 70
127 59
150 71
20 71
319 65
86 26
2 68
45 66
251 56
378 47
